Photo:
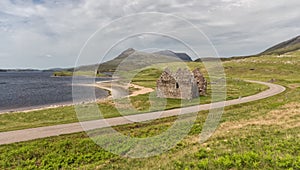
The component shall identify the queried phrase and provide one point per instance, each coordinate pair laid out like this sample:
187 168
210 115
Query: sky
51 33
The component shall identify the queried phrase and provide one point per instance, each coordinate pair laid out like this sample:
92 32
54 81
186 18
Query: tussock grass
261 134
254 145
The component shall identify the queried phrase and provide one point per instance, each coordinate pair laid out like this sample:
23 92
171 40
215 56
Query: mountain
284 47
132 59
182 56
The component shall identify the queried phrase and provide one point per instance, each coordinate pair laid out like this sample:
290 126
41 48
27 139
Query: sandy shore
36 108
116 90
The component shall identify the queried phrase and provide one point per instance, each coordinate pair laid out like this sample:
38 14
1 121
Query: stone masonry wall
182 85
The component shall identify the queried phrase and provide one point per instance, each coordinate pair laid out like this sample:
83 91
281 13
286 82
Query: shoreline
35 108
46 106
104 85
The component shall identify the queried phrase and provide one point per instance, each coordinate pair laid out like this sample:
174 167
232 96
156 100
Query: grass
255 146
281 68
261 134
78 73
140 104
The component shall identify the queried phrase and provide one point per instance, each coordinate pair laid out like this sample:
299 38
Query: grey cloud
30 31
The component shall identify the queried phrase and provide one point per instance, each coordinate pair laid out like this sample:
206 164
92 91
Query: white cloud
30 31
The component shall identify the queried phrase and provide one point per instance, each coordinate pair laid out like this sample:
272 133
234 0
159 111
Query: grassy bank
262 134
140 103
260 142
78 73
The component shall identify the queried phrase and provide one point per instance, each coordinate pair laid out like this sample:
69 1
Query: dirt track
56 130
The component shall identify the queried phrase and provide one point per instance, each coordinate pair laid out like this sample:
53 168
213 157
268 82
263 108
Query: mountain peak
127 53
130 49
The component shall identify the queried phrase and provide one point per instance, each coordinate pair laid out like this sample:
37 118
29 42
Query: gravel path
56 130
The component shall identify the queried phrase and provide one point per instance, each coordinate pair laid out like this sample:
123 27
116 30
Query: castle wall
181 85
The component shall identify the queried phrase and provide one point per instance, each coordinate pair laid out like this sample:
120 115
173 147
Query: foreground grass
256 144
262 134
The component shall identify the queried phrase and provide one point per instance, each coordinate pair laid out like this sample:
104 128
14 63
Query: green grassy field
262 134
78 73
140 103
261 142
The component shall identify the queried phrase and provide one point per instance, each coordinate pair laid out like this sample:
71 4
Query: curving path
56 130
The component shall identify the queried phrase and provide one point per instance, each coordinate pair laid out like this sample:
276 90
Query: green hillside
284 47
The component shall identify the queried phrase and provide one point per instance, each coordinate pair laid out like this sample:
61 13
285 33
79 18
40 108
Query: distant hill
133 59
19 70
284 47
1 70
182 56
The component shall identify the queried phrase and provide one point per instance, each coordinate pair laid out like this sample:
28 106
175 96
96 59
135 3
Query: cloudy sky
50 33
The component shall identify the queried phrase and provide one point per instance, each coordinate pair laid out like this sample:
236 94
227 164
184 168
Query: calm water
21 90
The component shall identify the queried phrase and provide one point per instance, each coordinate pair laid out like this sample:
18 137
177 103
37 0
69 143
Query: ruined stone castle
183 84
